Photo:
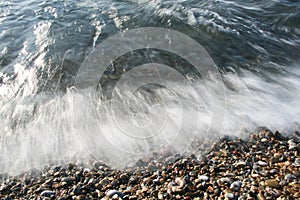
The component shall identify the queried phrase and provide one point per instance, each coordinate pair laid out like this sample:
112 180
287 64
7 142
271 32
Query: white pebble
229 195
262 163
264 140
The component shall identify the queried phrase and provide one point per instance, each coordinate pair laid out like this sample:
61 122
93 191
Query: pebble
4 190
114 193
124 177
236 185
47 193
260 196
86 170
262 163
203 178
77 190
292 144
272 183
288 177
225 180
193 174
297 162
229 195
240 164
273 171
160 196
264 140
180 182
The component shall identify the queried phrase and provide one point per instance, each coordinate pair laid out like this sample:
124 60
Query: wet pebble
47 193
262 163
203 178
114 193
297 162
240 164
236 185
229 195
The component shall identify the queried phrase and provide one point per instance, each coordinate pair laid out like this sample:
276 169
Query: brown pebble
296 195
80 197
272 183
133 197
260 196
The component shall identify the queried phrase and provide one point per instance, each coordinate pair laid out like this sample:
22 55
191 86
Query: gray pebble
262 163
203 178
112 193
236 185
229 195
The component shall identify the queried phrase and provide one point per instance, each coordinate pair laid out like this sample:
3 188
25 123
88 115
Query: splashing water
44 118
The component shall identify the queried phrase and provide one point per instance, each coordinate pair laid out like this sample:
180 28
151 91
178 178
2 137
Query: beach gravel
265 166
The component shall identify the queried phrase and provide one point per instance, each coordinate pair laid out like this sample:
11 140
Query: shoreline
266 166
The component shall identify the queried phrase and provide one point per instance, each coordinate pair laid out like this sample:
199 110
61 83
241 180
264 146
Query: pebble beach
265 166
132 100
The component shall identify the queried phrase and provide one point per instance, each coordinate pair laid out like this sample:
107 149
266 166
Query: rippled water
255 45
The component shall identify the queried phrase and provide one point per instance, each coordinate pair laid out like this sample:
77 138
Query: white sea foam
40 128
